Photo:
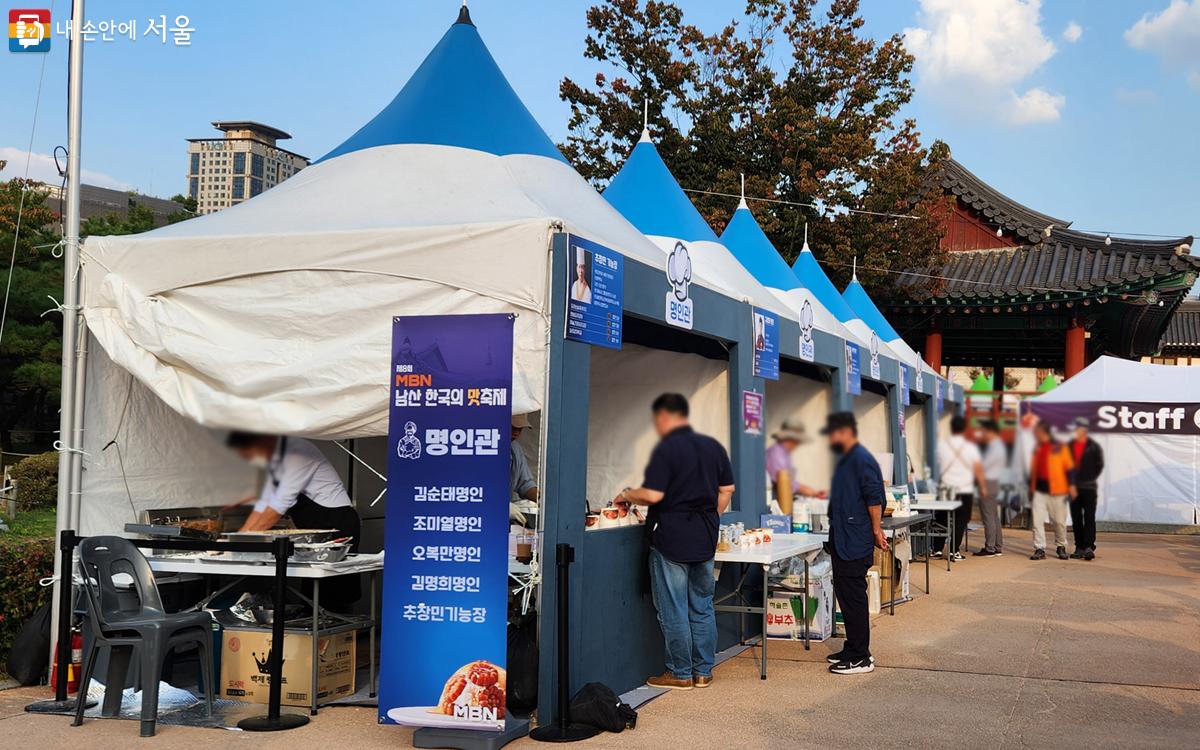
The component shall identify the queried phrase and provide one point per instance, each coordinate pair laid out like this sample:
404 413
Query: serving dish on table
297 536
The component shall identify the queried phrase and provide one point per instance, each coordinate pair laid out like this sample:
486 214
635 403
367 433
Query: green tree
187 209
31 343
802 102
137 218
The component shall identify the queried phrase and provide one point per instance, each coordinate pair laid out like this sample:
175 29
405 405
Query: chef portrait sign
445 574
853 369
766 344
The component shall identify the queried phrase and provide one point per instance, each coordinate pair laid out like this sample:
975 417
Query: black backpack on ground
597 705
522 688
28 658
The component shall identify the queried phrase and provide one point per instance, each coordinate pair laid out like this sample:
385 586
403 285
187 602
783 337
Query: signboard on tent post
595 293
905 398
766 344
853 369
445 598
939 394
752 412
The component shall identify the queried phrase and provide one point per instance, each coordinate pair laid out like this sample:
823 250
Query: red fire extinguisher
74 669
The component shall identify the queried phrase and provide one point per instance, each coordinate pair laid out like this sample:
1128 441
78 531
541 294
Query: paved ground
1007 653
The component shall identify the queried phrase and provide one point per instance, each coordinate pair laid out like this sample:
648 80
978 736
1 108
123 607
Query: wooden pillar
1075 354
933 350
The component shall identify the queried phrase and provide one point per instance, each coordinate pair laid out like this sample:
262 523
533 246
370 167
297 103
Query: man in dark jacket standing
856 500
688 485
1089 462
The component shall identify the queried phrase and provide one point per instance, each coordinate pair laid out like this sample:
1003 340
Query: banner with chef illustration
446 530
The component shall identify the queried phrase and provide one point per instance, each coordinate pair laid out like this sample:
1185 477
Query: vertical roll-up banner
445 574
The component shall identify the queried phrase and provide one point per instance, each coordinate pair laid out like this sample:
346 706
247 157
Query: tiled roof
993 205
1067 262
1183 331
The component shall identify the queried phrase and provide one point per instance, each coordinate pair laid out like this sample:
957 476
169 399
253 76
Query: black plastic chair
124 626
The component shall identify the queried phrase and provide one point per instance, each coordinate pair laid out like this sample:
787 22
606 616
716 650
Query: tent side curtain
306 352
139 454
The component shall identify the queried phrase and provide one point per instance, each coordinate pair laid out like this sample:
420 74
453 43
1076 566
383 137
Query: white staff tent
274 315
1152 464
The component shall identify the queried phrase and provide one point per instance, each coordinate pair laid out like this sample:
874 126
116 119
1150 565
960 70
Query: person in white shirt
960 468
995 463
581 291
301 484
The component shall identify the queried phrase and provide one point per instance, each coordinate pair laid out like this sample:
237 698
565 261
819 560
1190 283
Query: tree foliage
31 347
792 94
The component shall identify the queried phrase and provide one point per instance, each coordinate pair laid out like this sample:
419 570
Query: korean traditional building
1021 288
1180 344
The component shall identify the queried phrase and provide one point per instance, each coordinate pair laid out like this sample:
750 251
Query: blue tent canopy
812 276
646 193
750 245
858 300
457 97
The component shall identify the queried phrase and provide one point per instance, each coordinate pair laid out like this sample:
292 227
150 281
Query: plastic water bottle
801 520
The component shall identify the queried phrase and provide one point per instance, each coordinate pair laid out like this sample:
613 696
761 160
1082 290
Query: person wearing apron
302 484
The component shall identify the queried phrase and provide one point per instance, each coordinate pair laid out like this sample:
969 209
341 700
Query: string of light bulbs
804 205
1046 232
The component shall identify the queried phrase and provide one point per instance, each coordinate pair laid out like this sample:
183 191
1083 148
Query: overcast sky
1079 108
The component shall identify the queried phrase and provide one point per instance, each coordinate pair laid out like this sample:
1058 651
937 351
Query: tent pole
81 356
67 435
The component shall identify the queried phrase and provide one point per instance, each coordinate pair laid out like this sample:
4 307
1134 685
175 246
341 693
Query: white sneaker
859 666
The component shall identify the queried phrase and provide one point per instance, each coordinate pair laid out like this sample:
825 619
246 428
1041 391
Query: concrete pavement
1006 653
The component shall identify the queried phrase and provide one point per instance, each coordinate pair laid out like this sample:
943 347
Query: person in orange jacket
1052 485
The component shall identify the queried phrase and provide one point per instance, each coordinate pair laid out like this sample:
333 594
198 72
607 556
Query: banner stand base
470 739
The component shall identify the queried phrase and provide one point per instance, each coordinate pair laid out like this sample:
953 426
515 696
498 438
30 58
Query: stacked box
244 673
786 611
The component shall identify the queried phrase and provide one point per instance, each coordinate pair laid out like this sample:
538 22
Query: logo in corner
808 350
28 30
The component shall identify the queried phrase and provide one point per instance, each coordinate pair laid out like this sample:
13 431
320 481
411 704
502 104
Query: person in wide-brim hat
521 481
790 436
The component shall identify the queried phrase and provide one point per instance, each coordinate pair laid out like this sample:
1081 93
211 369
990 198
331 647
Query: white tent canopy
1147 420
274 315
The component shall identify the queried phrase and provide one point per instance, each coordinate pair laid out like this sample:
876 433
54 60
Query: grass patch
37 523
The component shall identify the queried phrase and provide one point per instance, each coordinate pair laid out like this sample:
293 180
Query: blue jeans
683 596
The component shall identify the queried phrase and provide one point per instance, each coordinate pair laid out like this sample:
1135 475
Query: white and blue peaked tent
274 315
750 245
812 276
647 194
862 304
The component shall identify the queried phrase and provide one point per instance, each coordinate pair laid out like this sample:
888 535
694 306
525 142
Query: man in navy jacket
856 501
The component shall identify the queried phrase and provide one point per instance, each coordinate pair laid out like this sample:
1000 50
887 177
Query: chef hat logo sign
874 346
806 321
679 271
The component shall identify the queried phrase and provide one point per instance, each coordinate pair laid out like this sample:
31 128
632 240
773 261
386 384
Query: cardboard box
786 611
244 672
